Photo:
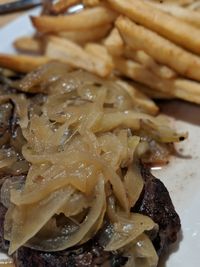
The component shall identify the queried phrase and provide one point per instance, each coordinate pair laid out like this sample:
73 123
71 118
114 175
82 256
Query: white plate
181 176
17 28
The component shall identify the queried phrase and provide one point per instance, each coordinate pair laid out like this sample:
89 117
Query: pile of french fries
153 45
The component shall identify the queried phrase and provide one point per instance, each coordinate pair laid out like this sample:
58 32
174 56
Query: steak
90 254
6 111
154 202
3 243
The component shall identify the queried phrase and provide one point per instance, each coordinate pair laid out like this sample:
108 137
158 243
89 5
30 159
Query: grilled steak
90 254
154 202
2 216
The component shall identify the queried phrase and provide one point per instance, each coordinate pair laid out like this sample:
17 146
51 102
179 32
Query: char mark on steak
156 203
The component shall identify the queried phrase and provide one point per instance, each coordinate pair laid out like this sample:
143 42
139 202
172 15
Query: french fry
62 5
73 54
83 20
180 88
84 36
166 25
67 51
187 90
22 63
101 54
152 93
114 43
28 44
141 74
140 100
91 2
146 60
162 50
185 14
194 6
175 2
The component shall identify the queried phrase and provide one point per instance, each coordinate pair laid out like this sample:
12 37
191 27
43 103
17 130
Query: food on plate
89 35
28 44
114 43
76 187
141 57
61 6
146 42
159 48
80 131
22 63
166 25
194 5
92 17
93 57
187 15
180 88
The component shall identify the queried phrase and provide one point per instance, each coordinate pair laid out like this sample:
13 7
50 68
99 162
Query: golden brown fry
187 90
91 2
141 101
22 63
152 93
166 25
28 44
73 54
162 50
194 6
185 14
146 60
100 53
114 43
67 51
84 36
140 74
175 2
180 88
62 5
83 20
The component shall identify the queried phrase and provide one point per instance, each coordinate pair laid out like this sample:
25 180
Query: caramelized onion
66 239
21 105
79 145
141 253
38 80
133 183
15 182
128 229
28 220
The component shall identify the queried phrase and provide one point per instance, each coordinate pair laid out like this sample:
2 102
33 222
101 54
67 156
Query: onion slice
65 240
127 230
146 251
134 184
29 219
141 253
